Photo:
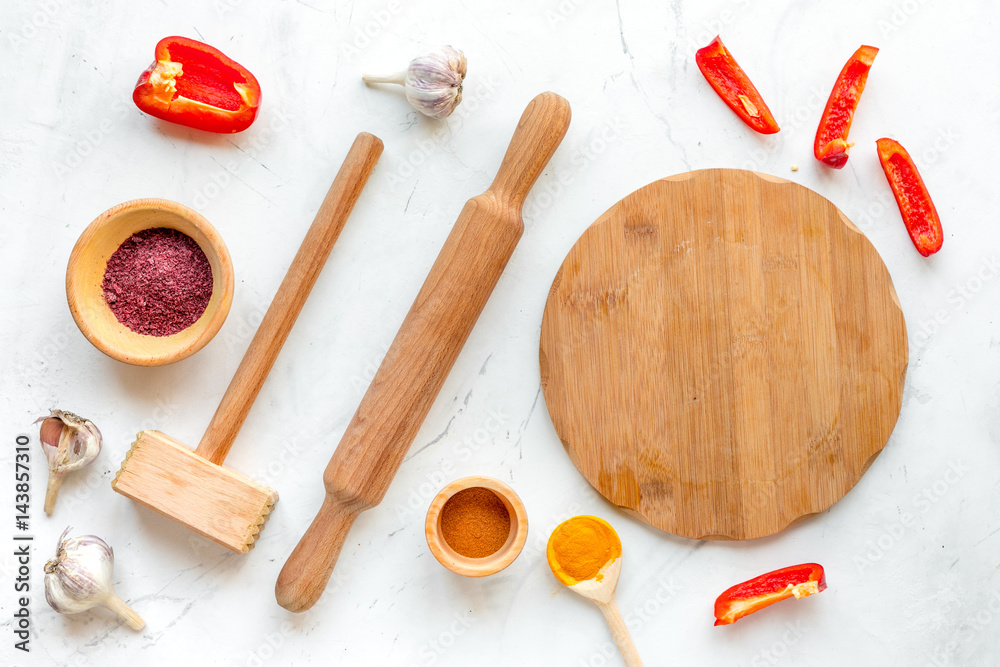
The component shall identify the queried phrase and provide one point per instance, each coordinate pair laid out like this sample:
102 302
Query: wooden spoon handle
424 350
620 632
291 295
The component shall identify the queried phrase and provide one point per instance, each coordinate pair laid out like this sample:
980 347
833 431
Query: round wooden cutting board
723 354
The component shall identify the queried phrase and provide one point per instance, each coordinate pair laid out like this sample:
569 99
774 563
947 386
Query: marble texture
911 552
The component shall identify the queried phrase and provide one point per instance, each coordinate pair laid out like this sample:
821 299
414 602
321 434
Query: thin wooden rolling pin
291 296
423 352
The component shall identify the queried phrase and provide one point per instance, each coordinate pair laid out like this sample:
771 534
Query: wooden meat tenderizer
423 352
193 487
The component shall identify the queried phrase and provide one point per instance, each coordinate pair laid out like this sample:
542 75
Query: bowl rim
223 284
495 562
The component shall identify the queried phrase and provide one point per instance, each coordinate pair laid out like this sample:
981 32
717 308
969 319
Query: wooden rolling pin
423 352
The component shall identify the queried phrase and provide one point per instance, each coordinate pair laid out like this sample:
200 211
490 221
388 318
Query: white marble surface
911 552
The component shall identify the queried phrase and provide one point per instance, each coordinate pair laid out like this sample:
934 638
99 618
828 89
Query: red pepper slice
196 85
759 592
734 86
831 136
915 205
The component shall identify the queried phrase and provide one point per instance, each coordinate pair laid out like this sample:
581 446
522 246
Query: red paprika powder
475 522
158 282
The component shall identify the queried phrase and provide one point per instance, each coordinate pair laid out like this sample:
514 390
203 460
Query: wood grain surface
214 501
426 346
723 354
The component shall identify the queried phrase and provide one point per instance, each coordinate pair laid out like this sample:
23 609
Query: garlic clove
433 81
69 443
49 432
80 578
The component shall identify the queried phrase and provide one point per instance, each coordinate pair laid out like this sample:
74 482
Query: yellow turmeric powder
581 547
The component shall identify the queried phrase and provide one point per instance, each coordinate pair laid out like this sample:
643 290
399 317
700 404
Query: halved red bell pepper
194 84
734 86
919 213
831 136
795 581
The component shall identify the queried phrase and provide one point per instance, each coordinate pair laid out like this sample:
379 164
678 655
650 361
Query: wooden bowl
85 274
477 567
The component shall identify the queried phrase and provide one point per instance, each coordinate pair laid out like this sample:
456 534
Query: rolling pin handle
307 571
539 132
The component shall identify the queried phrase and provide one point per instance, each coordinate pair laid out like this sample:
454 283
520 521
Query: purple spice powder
158 282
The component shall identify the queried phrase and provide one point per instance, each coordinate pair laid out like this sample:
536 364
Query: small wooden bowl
477 567
85 275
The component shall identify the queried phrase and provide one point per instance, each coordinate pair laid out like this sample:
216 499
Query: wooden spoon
601 590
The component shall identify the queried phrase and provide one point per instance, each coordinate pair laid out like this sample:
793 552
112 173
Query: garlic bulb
79 578
432 82
69 442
